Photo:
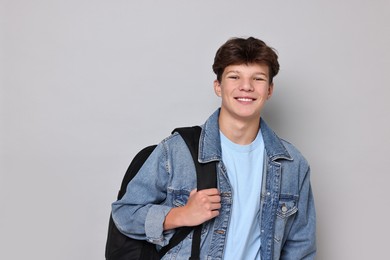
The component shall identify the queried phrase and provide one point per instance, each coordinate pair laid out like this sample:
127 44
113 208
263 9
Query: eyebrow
235 71
238 72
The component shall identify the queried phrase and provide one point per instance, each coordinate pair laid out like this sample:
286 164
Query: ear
270 90
217 88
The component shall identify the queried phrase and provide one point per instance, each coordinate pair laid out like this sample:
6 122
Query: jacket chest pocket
179 197
287 207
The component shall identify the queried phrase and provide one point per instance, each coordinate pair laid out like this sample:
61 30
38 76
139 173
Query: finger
209 192
214 213
214 198
216 206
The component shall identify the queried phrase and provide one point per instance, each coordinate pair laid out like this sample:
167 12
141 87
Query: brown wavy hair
238 51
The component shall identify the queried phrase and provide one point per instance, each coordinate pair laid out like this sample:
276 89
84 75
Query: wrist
175 218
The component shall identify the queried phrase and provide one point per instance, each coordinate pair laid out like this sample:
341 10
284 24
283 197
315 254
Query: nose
246 85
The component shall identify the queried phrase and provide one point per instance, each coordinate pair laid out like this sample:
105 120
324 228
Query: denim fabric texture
166 179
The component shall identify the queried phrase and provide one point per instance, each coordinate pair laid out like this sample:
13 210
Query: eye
233 77
259 79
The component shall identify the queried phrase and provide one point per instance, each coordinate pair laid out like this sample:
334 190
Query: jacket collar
273 144
210 144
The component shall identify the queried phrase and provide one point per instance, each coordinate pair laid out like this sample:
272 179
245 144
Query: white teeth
244 99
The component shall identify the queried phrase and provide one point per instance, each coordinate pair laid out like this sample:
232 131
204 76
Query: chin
249 116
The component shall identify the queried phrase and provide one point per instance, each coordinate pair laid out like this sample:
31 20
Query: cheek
264 91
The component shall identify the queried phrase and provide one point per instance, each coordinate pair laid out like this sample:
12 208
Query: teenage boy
263 207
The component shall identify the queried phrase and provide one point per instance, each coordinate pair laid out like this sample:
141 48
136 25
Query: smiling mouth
245 99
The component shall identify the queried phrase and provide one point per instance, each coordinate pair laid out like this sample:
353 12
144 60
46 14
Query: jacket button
284 208
221 232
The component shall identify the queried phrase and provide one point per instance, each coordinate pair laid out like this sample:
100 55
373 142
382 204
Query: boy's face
244 89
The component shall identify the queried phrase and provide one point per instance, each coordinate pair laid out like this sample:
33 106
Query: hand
201 206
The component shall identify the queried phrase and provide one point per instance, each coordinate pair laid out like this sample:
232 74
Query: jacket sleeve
140 213
301 240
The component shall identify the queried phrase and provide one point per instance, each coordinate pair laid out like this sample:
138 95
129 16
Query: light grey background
86 84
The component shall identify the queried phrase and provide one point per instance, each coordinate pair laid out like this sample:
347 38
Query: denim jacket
168 176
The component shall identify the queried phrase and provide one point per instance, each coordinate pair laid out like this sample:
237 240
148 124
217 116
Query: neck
239 131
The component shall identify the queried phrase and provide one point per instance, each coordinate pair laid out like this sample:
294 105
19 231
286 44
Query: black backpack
121 247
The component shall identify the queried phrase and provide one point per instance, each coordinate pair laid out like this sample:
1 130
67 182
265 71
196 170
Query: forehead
252 68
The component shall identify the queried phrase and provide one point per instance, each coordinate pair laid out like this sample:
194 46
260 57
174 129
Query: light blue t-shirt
244 164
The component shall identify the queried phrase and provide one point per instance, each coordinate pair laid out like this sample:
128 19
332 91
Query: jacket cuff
154 222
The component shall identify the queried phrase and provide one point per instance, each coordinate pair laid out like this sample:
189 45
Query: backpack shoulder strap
206 176
205 172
